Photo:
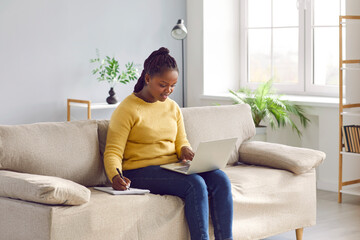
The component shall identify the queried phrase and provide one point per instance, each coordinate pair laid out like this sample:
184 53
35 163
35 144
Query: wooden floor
335 221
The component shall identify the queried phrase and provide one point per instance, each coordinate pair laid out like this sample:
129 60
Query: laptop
209 156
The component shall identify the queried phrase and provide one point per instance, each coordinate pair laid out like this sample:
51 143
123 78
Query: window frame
305 84
310 87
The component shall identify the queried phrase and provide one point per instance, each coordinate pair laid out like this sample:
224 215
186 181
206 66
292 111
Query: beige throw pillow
68 150
103 126
42 189
211 123
294 159
102 134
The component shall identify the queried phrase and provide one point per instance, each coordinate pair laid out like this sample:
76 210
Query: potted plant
266 105
108 70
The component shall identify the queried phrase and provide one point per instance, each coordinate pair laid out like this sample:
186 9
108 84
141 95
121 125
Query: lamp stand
182 73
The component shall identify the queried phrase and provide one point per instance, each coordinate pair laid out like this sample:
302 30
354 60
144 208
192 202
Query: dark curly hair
158 62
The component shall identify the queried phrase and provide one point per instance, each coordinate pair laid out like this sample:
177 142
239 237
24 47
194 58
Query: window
293 42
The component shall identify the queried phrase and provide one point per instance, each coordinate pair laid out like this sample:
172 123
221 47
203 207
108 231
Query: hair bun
162 51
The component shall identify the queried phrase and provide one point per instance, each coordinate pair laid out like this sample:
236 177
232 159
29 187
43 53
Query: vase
260 134
111 99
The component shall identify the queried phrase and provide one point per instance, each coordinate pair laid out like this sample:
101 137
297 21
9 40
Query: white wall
221 46
195 52
215 59
322 134
45 47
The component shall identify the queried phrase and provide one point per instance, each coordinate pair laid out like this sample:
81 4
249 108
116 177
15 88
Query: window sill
313 101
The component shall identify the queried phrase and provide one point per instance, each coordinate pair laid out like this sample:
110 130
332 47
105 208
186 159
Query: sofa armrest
294 159
42 189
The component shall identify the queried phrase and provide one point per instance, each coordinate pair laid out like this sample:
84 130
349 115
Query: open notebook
131 191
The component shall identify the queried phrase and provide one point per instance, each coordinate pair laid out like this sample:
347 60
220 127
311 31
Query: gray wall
45 47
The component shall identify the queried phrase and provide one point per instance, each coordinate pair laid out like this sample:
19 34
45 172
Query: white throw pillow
42 189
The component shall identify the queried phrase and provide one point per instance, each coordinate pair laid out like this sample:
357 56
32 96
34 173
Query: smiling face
160 86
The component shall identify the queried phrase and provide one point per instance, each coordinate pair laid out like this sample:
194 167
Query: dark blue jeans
199 191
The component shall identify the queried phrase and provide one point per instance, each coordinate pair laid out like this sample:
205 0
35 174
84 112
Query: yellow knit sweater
141 134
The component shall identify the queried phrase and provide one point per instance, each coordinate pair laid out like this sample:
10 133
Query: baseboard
327 186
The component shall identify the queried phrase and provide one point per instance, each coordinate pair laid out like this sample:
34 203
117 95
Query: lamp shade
179 31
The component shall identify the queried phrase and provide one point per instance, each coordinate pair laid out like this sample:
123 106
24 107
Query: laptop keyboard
183 168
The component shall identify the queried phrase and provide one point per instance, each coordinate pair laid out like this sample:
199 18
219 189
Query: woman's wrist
186 147
112 180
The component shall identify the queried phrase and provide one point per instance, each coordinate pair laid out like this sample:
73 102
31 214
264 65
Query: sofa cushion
294 159
69 150
102 134
269 201
42 189
218 122
105 216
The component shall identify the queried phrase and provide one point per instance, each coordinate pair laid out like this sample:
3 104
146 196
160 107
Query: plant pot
260 134
111 99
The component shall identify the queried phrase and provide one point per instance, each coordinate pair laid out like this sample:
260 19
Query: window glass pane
326 56
259 55
286 55
326 12
259 13
285 13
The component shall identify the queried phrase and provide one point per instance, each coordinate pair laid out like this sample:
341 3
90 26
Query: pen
117 169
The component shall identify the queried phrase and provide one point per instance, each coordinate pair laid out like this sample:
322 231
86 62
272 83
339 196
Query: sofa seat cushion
269 201
294 159
68 150
266 202
42 189
24 220
105 216
218 122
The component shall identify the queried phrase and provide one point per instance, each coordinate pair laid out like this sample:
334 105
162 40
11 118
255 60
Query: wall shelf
355 190
353 114
351 68
350 154
87 104
350 61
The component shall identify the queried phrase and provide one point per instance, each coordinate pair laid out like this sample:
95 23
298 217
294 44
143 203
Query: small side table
87 104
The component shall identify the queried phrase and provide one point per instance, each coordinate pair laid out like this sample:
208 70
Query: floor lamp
179 32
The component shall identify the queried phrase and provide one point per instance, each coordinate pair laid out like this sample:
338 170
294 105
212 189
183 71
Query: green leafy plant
109 70
266 104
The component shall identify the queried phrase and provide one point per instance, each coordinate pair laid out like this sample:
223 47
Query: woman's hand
186 153
119 184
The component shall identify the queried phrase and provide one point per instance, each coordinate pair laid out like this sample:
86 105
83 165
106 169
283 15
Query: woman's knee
197 184
218 178
224 179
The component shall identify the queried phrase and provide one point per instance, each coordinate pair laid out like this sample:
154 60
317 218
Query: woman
147 130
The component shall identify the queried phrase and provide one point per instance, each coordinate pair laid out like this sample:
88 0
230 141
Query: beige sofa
273 186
